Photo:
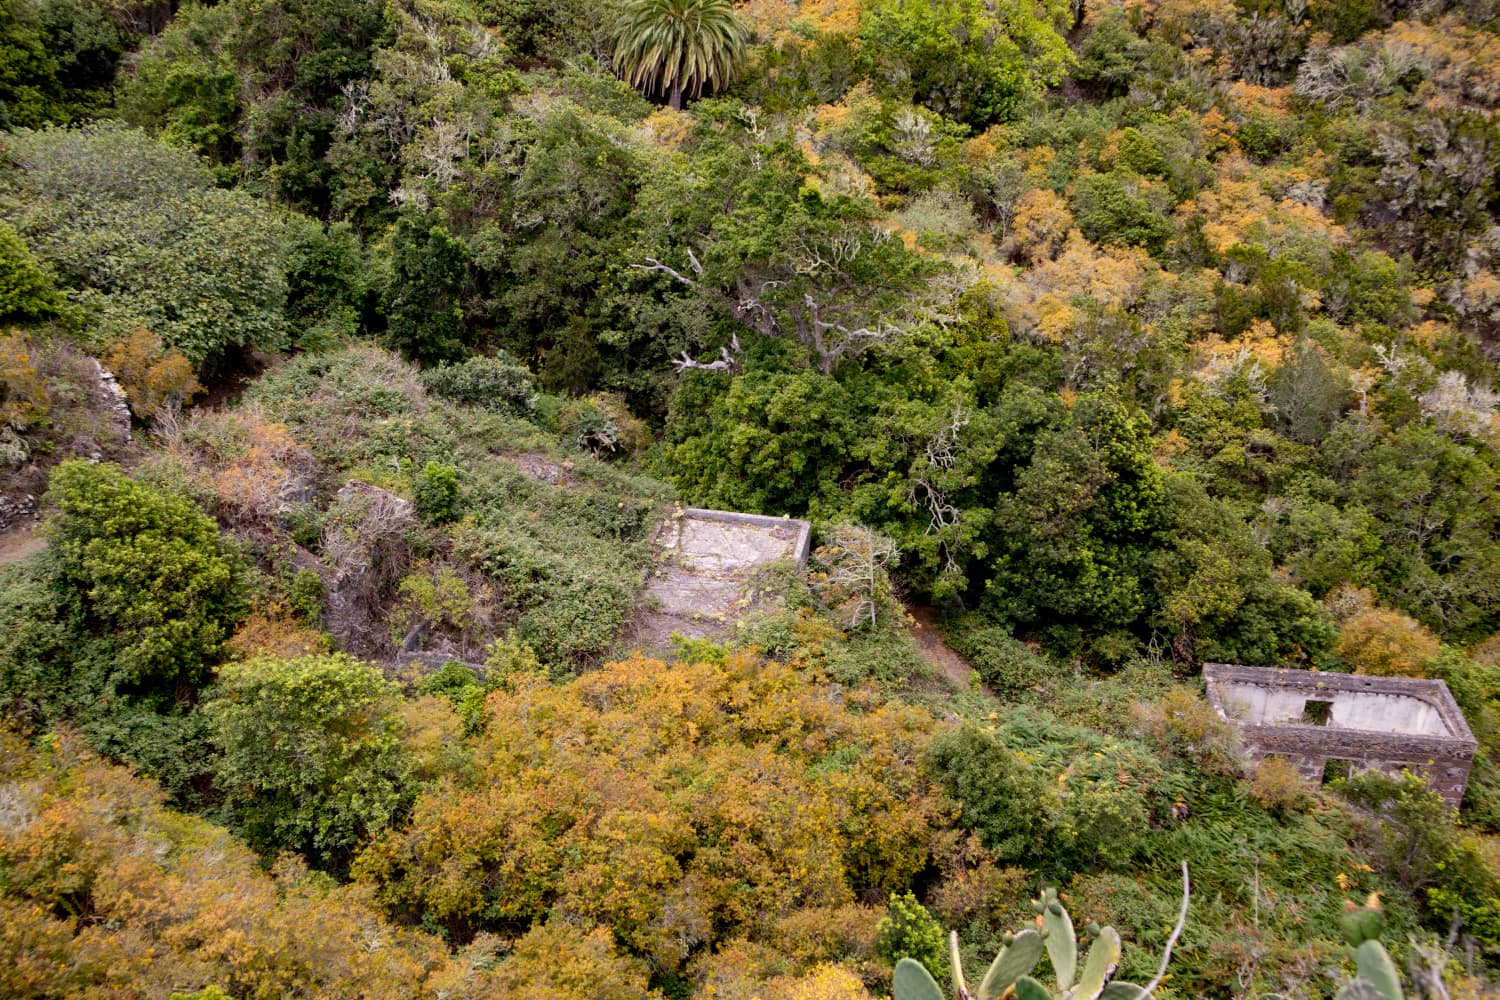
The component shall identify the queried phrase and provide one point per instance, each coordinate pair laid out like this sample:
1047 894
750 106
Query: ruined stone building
1333 724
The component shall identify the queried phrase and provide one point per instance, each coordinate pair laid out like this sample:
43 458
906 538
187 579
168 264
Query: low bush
499 383
1042 793
602 425
434 490
1009 666
152 374
1278 786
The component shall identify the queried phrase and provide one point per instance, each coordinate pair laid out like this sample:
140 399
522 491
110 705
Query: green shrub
26 291
311 755
1008 665
499 383
458 683
1140 154
337 402
909 931
570 578
1001 797
34 643
603 426
1042 793
509 660
143 576
452 678
1108 213
435 493
1414 837
113 627
1264 136
304 595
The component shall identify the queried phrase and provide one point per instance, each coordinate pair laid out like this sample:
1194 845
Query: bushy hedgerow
1008 665
499 383
569 563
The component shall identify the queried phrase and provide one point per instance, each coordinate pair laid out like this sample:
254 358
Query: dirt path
924 629
17 545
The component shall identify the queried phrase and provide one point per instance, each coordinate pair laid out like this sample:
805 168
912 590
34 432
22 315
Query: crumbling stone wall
1437 744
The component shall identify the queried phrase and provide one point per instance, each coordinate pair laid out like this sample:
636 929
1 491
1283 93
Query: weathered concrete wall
1376 711
1384 724
773 537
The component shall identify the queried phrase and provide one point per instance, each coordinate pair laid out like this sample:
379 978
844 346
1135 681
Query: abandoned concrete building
707 563
1333 724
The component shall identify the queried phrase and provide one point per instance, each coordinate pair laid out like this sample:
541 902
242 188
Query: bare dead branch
729 360
652 264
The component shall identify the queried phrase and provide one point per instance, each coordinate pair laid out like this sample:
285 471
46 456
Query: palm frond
687 44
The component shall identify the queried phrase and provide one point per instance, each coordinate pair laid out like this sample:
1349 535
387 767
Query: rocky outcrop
109 399
17 510
365 552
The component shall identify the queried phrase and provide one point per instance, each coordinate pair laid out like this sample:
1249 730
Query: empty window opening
1337 769
1316 713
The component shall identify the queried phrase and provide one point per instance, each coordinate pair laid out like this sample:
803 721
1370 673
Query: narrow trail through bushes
923 628
17 545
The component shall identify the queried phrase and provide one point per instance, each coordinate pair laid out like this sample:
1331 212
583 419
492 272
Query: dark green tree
57 61
773 442
423 294
141 237
965 59
567 213
744 234
1108 212
184 84
311 754
1070 543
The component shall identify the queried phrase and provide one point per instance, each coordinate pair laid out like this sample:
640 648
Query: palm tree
668 46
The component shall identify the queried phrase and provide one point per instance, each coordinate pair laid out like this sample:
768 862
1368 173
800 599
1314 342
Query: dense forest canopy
1097 340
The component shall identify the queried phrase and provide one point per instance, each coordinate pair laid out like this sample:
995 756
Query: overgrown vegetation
1115 337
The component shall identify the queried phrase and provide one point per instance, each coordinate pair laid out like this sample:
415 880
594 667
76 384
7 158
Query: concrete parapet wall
706 570
801 546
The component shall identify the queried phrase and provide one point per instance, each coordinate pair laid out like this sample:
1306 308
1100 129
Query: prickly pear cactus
1009 975
1057 933
914 982
1378 971
1016 959
1362 923
1377 978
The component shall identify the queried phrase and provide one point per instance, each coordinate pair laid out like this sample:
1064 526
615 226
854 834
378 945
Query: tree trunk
674 98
